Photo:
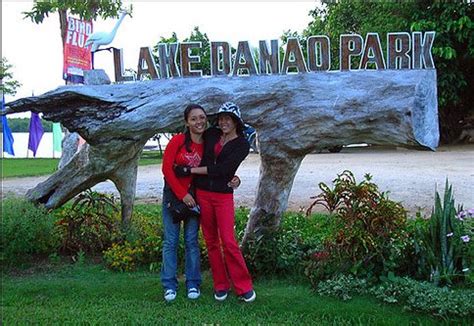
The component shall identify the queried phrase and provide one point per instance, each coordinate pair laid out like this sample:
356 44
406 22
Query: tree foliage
8 84
204 51
88 10
453 53
453 49
196 36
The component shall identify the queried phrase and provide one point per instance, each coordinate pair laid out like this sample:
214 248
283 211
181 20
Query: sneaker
248 296
170 295
220 295
193 293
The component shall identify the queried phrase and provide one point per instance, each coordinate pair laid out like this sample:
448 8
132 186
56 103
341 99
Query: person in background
224 150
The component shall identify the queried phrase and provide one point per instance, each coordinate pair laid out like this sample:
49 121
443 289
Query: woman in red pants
224 149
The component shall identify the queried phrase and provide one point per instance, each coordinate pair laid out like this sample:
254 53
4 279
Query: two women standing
224 150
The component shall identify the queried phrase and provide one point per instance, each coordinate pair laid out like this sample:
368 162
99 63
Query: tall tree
8 84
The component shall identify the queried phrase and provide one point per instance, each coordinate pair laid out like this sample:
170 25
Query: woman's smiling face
196 121
226 123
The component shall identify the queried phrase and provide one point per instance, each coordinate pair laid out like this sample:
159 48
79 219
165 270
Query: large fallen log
293 115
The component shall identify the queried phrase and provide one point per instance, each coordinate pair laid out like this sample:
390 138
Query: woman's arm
169 157
199 170
186 171
227 166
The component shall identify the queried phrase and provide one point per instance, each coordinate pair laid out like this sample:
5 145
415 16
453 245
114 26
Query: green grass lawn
28 167
91 294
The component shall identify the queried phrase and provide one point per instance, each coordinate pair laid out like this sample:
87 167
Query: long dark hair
187 133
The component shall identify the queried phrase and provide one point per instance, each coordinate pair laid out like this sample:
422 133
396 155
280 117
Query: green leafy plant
320 266
26 231
371 238
425 297
9 85
80 258
284 250
90 225
54 258
444 247
413 295
343 287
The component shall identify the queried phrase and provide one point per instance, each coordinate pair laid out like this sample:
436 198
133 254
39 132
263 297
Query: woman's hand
234 183
189 200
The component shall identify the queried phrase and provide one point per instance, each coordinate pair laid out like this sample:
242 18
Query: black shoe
248 296
220 295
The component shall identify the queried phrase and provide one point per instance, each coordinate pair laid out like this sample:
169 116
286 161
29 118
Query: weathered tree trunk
293 114
69 146
277 174
70 143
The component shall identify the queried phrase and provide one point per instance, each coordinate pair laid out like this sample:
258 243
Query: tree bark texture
293 114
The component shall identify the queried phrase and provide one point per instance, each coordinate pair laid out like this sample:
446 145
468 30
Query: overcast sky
35 51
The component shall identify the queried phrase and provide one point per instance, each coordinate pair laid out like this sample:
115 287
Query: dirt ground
410 176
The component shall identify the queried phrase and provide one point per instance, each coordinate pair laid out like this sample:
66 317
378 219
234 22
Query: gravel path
410 176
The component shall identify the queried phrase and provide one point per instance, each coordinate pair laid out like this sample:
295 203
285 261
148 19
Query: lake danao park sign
404 51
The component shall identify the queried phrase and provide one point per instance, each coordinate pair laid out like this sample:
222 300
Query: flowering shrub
124 257
466 221
146 230
445 250
371 239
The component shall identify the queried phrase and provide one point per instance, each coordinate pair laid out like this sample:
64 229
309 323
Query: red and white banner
77 57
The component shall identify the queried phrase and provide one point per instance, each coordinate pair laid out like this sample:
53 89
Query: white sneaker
220 295
170 295
249 296
193 293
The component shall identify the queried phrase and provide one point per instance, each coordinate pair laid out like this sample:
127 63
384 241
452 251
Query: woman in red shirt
183 149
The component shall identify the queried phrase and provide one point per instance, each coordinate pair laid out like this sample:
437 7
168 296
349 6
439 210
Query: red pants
225 257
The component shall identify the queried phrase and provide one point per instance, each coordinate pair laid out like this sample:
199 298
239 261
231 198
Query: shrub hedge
26 231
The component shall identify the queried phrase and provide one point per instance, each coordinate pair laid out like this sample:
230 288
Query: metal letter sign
404 51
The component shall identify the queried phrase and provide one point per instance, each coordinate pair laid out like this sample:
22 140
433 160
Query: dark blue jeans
170 251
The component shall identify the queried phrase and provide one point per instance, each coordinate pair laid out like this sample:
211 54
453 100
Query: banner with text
77 57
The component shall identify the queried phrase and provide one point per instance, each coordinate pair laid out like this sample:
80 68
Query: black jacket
220 169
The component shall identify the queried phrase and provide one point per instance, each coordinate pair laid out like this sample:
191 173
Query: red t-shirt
176 153
218 148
